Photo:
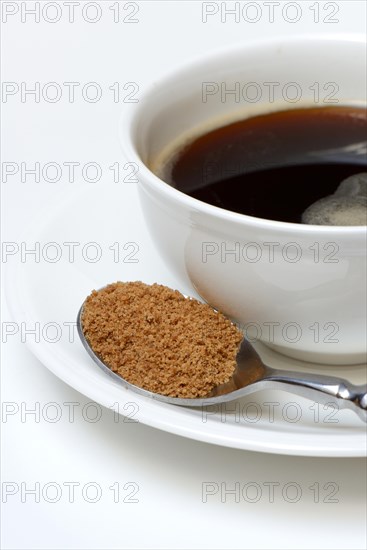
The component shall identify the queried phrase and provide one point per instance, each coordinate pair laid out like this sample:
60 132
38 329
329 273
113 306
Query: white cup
300 289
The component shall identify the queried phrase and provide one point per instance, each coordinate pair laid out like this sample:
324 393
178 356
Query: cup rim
130 117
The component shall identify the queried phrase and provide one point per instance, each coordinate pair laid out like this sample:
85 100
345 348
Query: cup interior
243 82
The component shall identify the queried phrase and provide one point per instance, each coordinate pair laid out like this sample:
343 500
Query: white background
168 470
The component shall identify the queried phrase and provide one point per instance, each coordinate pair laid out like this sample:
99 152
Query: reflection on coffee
275 166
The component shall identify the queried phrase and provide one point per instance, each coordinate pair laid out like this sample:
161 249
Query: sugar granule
157 339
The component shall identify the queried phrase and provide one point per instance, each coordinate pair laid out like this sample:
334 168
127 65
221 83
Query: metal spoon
252 375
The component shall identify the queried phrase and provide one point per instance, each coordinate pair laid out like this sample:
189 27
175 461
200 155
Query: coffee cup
300 289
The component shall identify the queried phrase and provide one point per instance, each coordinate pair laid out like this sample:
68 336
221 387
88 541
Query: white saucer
51 293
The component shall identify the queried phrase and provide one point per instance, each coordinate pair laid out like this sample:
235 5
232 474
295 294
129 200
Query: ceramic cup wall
300 289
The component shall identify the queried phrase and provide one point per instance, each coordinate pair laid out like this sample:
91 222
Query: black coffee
273 166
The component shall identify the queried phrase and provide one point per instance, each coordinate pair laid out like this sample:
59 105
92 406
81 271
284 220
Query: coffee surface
273 166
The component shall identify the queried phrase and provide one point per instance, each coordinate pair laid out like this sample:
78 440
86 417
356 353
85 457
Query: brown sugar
157 339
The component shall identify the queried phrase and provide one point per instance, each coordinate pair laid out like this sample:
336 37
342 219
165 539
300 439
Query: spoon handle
321 389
